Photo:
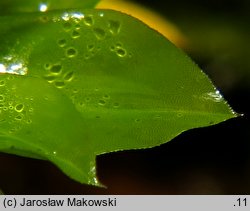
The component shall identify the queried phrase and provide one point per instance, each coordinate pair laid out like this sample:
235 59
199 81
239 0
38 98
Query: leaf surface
78 83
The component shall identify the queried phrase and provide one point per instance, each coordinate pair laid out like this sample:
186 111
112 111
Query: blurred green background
213 160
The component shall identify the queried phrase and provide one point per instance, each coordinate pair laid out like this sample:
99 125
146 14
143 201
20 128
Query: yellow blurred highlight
147 16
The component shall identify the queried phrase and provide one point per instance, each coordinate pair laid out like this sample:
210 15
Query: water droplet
75 91
2 98
67 26
29 121
2 82
11 107
68 76
56 69
86 56
50 78
19 107
137 120
44 19
90 47
121 52
54 153
106 96
78 26
71 52
99 33
75 34
87 99
19 117
47 66
101 102
43 7
118 45
59 84
62 42
112 48
114 27
116 105
81 104
214 96
179 114
88 20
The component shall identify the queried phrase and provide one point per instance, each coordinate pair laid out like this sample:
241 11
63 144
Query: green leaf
19 6
76 84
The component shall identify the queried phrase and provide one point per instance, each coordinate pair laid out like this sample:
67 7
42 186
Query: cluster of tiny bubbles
57 76
104 100
119 50
15 110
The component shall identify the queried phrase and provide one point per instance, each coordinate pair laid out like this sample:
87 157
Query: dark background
213 160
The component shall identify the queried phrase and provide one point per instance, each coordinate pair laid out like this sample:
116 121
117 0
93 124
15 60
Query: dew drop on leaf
99 33
114 27
2 82
67 26
88 20
112 48
68 76
2 98
106 96
19 117
137 120
116 105
75 34
19 107
121 52
62 43
90 47
50 78
71 52
59 84
56 69
101 102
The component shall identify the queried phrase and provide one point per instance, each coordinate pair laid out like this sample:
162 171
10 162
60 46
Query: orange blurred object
149 17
